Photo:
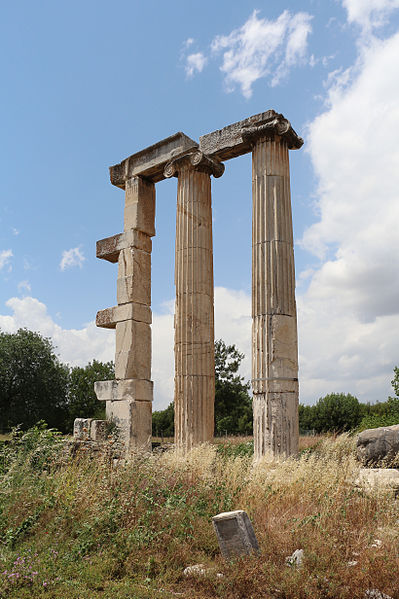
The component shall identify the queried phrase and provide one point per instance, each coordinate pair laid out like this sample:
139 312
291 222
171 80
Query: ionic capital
279 126
196 160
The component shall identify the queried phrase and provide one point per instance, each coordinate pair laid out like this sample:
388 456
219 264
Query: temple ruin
269 137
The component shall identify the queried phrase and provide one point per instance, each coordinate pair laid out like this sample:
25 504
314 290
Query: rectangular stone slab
108 318
109 248
132 389
151 161
235 534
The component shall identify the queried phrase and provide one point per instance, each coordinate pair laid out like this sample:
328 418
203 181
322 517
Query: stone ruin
269 137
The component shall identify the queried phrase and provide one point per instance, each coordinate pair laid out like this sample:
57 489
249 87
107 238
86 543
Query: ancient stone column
269 136
274 324
194 318
129 397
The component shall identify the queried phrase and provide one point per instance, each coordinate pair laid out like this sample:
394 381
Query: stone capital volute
278 126
196 160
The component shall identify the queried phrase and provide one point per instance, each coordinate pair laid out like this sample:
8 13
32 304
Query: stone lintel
108 318
109 248
151 161
124 389
237 139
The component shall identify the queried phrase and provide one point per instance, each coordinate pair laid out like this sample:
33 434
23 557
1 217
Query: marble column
274 323
194 317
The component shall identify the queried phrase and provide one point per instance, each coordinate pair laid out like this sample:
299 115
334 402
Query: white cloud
369 14
71 258
195 62
74 346
263 49
5 256
349 314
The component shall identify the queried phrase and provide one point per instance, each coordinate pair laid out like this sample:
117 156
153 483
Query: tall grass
84 527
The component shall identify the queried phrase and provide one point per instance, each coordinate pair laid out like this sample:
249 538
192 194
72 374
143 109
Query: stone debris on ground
296 559
379 446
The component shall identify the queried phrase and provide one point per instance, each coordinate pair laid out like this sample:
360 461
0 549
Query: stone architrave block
379 445
235 534
108 318
81 428
151 161
133 350
134 277
129 389
140 206
133 420
98 430
109 248
235 140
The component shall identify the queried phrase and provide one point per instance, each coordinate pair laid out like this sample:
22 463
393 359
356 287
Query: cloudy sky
85 84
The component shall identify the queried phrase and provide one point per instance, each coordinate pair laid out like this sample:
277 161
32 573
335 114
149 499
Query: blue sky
86 84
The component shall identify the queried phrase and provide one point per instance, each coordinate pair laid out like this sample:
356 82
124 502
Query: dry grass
130 531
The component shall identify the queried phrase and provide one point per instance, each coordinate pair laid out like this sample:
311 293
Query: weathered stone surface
378 479
108 318
200 161
134 277
151 161
81 428
296 559
237 139
194 320
133 420
133 350
130 389
109 248
379 444
140 206
98 430
274 325
235 534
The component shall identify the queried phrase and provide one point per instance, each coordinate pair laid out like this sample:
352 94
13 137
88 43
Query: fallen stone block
378 445
81 428
99 430
378 479
235 534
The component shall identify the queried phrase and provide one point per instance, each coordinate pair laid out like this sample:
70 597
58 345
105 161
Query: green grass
85 528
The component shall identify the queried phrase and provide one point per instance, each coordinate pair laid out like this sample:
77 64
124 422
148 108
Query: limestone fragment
235 534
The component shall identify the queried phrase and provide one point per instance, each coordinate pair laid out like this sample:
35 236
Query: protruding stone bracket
197 160
237 139
124 389
108 318
110 247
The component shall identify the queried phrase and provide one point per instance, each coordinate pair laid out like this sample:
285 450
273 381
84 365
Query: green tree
33 383
233 404
163 422
337 412
82 400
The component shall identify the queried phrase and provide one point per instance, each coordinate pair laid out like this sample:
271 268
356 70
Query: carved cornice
279 126
196 160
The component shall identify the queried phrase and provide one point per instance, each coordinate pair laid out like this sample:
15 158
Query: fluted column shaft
274 324
194 320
